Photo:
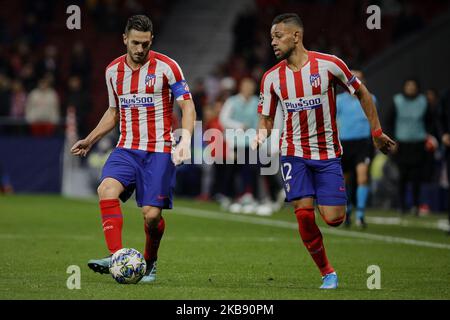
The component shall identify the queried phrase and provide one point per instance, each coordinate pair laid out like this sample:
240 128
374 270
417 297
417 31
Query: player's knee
362 180
151 215
106 191
334 220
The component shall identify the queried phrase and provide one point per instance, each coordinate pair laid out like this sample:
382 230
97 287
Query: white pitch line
292 225
440 224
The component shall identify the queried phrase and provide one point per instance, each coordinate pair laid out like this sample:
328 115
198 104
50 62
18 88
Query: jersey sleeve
177 82
343 75
267 105
112 96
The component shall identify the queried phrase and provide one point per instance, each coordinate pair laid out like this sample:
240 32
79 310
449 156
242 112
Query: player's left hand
385 144
259 139
182 152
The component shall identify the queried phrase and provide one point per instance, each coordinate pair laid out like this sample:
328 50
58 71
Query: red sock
153 238
312 239
112 223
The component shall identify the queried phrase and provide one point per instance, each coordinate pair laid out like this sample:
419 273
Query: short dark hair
139 22
288 18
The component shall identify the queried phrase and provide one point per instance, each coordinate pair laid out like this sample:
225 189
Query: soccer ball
127 266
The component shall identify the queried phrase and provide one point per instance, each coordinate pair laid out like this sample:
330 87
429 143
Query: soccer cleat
100 265
330 281
150 274
362 223
348 221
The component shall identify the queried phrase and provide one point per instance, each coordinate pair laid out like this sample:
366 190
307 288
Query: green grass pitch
209 254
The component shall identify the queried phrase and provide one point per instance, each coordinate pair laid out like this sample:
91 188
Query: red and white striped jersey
308 99
145 100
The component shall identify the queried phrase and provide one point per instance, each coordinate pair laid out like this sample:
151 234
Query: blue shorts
151 174
319 179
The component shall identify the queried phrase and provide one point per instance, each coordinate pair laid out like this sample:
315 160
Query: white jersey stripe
129 130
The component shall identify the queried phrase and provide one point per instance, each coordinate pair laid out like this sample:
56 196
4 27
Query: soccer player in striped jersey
142 86
303 85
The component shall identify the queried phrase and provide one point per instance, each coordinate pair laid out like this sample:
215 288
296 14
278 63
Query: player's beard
286 54
138 59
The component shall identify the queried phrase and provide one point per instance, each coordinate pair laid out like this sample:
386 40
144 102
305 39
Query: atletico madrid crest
150 80
315 80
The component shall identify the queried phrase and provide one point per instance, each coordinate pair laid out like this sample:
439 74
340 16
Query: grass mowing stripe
292 225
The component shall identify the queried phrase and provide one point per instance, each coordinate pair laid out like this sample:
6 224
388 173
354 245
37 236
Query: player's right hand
81 148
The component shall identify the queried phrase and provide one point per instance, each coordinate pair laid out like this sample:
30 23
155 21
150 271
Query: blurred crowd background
52 86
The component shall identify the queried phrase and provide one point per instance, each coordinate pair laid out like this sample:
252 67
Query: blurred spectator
18 100
97 159
5 182
107 16
42 108
133 7
212 84
445 137
43 9
28 76
79 99
432 166
80 63
49 64
212 172
5 95
199 97
244 31
240 113
32 29
227 87
4 33
408 22
5 67
20 55
409 120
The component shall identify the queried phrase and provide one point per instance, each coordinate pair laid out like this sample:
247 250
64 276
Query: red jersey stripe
134 81
167 113
123 128
304 132
273 103
135 111
120 76
135 128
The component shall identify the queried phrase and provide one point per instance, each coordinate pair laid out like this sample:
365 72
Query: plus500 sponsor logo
136 101
301 104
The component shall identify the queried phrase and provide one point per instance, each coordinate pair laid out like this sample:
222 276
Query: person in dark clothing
445 138
409 120
79 99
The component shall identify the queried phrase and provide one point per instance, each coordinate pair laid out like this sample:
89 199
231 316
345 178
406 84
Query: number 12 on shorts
288 167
